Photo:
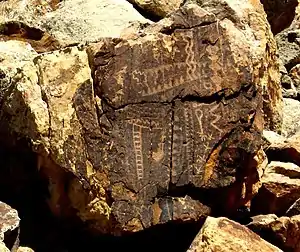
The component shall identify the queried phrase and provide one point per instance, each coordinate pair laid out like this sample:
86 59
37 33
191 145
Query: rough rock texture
280 13
3 248
157 8
284 232
224 235
176 107
289 48
280 188
291 117
281 148
25 249
52 25
9 227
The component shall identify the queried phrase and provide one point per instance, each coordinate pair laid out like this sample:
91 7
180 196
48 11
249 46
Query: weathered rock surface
284 232
177 105
281 148
52 25
280 188
157 9
3 248
224 235
9 227
291 117
25 249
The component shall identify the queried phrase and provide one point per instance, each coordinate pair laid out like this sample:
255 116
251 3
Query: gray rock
288 88
72 21
86 21
289 47
9 226
291 117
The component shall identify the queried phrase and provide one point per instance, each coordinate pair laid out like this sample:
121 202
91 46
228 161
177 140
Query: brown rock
285 149
9 226
222 234
176 105
157 9
280 13
280 188
284 232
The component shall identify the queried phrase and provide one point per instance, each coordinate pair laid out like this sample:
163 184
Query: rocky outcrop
283 231
9 228
53 24
157 9
224 235
280 188
280 148
122 127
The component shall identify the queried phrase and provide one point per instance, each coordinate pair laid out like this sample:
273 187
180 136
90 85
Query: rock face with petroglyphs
185 111
158 125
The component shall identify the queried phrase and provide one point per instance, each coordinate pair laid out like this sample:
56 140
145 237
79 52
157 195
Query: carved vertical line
189 131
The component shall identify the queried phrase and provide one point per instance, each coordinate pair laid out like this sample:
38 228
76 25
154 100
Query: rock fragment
222 234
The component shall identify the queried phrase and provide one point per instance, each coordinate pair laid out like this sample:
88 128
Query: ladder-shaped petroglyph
137 136
138 150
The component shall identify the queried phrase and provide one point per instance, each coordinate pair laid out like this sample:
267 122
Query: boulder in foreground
224 235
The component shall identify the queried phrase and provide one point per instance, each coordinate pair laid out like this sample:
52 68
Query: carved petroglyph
212 117
163 77
138 125
189 132
138 150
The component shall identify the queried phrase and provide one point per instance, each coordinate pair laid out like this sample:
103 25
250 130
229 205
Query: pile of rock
141 121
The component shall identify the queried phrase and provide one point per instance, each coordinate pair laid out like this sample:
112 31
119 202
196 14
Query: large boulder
284 232
53 25
280 148
128 126
224 235
280 188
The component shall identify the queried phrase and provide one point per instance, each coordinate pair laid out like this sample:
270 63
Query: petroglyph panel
197 129
189 61
142 137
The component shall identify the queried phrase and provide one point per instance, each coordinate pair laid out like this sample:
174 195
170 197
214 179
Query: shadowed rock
120 125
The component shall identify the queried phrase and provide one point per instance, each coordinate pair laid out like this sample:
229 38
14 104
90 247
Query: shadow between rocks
22 187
